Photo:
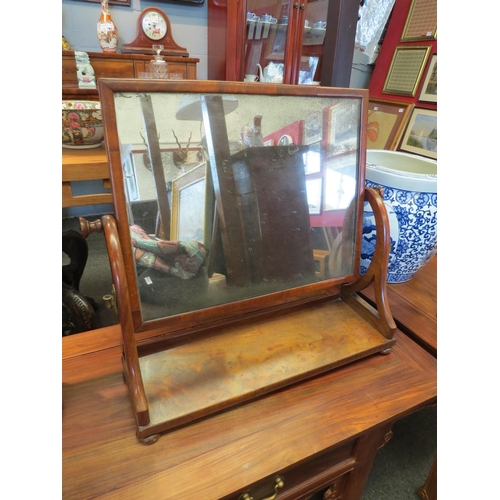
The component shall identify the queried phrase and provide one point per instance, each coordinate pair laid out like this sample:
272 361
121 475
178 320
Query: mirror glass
234 196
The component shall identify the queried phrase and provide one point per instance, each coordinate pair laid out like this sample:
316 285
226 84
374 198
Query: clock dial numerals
154 26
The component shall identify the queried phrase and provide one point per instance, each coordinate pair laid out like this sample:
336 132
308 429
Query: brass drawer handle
279 484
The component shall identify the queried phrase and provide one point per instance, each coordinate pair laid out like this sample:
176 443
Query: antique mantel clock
153 27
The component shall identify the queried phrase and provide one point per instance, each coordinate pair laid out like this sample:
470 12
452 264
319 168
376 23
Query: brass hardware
279 484
303 6
296 5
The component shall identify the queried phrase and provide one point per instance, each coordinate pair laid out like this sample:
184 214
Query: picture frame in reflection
190 199
313 128
343 123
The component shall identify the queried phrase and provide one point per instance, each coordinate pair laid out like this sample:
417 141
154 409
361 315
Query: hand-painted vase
410 196
106 30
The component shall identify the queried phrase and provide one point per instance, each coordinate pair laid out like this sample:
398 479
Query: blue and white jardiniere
410 196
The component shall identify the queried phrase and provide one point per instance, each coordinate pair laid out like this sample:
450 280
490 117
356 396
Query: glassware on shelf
158 67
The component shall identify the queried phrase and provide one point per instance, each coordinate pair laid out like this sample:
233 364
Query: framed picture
429 87
342 130
407 66
421 23
125 3
314 188
313 128
386 123
189 202
421 134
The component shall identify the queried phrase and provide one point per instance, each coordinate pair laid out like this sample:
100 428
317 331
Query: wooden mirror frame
188 323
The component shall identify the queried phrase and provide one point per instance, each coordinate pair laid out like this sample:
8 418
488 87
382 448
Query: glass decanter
158 67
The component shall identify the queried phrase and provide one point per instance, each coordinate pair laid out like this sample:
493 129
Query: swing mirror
233 198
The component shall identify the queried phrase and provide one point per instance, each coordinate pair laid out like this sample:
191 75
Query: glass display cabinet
246 280
282 41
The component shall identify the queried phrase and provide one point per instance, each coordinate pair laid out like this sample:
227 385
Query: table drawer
303 479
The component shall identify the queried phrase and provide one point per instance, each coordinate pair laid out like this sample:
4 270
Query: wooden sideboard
117 66
318 436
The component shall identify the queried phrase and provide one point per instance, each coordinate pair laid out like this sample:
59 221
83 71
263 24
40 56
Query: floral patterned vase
410 196
107 33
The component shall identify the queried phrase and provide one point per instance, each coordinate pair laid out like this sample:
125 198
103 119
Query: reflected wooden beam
153 146
233 238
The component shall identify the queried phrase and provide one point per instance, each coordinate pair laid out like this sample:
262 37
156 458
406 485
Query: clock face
154 25
285 140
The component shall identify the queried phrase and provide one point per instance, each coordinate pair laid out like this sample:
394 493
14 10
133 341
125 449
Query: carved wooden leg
429 490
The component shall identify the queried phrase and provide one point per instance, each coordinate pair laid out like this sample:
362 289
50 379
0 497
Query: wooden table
85 165
414 305
318 434
414 308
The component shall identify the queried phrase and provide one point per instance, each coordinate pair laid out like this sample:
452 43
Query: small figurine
84 71
251 137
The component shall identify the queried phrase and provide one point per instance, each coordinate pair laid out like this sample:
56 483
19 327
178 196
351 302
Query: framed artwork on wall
124 3
421 23
421 134
405 72
386 123
429 87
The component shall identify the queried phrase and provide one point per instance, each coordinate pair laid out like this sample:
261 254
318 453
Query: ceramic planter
410 195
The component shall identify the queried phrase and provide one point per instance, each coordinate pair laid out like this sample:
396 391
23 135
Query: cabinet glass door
313 39
267 24
284 40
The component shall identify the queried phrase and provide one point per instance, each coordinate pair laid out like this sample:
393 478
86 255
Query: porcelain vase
409 183
107 32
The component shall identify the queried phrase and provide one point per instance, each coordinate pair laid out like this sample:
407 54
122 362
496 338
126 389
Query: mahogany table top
102 457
